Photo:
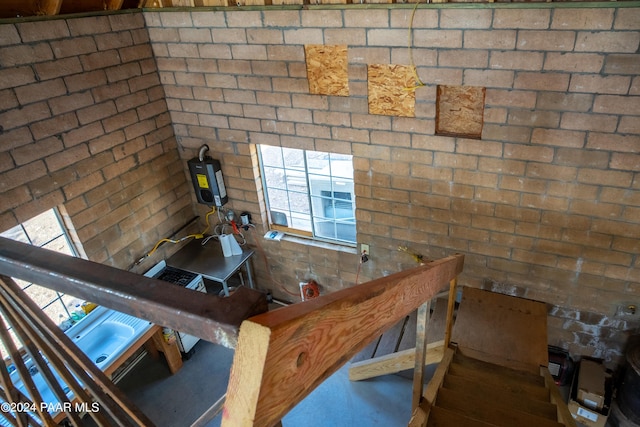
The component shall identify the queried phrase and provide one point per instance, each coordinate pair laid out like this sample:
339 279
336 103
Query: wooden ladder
495 375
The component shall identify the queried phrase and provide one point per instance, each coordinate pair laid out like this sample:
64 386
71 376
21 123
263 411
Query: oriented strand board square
391 90
460 111
327 69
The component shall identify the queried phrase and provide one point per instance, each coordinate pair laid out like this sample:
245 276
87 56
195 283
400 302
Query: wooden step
439 417
506 401
516 391
497 370
473 405
499 381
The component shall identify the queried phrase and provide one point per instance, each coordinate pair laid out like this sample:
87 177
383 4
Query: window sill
345 248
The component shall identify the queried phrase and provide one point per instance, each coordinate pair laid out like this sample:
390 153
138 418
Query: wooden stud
451 303
420 353
19 8
394 362
170 350
284 354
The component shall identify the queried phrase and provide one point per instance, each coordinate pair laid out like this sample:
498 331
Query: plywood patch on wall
460 111
327 69
391 89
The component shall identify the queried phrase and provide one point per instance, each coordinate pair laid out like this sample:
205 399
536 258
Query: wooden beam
113 4
284 354
420 353
394 362
16 8
451 303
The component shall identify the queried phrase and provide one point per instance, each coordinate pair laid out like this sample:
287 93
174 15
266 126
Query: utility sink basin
103 335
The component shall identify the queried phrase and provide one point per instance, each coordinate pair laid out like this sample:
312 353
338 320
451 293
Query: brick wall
84 125
546 205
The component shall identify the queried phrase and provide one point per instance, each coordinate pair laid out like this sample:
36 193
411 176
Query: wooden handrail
284 354
208 316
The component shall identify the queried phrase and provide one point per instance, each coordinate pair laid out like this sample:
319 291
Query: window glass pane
296 180
299 203
275 178
56 312
43 228
342 168
318 162
300 221
59 244
16 233
271 156
293 158
278 199
41 295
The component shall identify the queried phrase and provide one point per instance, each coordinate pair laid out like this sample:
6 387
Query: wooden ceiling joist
20 8
24 8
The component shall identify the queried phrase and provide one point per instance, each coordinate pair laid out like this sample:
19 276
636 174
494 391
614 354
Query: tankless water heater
208 183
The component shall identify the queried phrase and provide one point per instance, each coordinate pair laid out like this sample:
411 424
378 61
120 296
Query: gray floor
178 400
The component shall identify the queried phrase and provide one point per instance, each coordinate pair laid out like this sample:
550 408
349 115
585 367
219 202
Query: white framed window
47 231
309 193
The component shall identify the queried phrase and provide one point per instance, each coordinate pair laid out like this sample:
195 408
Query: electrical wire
410 49
175 241
358 272
266 263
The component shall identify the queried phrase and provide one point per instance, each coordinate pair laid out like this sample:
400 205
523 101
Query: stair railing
285 354
207 316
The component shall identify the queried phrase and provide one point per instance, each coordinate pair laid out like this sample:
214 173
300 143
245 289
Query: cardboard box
586 416
590 396
591 384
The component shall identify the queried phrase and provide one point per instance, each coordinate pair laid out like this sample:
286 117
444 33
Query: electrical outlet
364 248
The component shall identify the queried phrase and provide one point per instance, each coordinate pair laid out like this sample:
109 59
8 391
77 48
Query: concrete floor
177 401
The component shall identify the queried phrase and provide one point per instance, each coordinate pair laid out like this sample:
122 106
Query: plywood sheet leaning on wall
391 89
327 69
460 110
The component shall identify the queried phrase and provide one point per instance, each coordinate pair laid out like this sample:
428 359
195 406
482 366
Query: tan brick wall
85 126
544 206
